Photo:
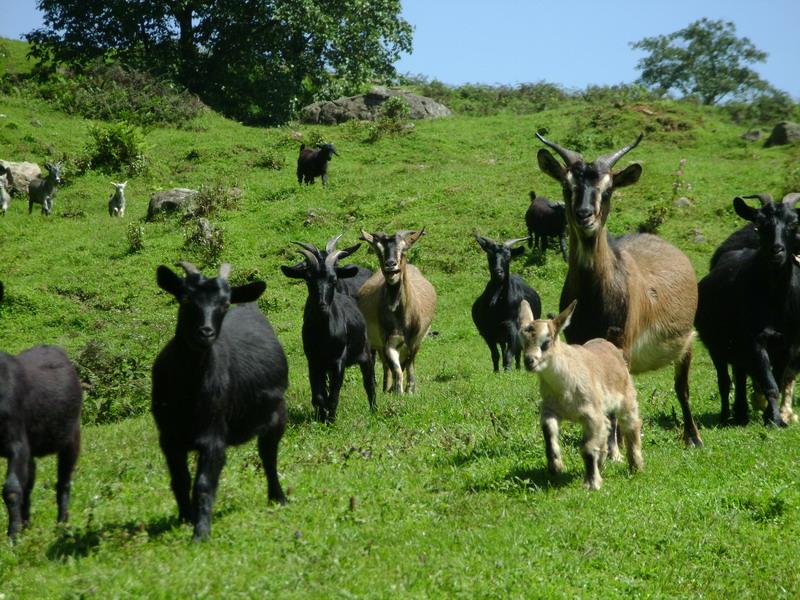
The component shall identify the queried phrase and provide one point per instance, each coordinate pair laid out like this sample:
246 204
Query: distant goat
581 383
748 314
43 190
546 219
116 203
220 381
40 410
334 331
638 286
314 163
398 304
5 197
496 311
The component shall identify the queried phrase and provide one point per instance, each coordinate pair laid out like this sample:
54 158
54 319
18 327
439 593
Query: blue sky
574 43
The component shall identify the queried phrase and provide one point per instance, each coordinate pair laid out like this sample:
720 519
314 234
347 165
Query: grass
441 494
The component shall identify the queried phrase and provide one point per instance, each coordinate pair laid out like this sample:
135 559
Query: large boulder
170 201
367 107
19 175
783 133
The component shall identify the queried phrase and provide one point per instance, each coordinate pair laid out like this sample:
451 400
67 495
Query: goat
219 381
40 410
5 197
495 312
581 383
314 163
398 305
116 203
546 219
43 190
351 285
748 314
334 331
639 285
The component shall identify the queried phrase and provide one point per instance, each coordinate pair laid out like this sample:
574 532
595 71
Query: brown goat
398 304
638 285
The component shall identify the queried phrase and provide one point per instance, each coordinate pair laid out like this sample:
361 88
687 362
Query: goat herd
629 305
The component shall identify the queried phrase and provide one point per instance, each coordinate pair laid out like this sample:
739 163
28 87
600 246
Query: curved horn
609 160
224 271
310 252
331 259
569 156
764 198
509 243
792 198
188 267
331 245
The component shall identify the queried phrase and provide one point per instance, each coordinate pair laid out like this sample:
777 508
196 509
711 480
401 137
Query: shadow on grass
521 478
300 415
671 421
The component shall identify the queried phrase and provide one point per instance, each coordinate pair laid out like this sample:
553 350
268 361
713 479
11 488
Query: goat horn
310 247
331 245
188 267
509 243
224 271
609 160
792 198
331 259
569 156
309 254
763 198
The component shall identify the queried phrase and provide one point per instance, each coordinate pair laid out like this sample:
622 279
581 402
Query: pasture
443 493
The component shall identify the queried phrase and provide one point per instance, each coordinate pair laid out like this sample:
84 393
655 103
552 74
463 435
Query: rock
698 237
785 132
752 136
682 202
170 201
19 175
366 107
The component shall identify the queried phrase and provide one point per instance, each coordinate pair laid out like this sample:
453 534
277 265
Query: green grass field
440 494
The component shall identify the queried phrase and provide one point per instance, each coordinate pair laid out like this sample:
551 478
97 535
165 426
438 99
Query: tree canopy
255 60
705 60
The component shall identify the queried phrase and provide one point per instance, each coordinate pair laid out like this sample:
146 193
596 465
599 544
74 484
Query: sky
573 43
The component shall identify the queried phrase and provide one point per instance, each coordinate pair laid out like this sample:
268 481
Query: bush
116 148
135 233
207 241
211 198
394 119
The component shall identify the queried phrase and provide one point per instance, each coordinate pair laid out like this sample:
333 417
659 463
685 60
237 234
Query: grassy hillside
442 493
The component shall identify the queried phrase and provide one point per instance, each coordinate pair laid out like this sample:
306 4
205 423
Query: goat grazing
398 305
5 197
638 285
220 381
43 190
496 311
314 163
116 203
546 219
40 414
581 383
334 331
748 314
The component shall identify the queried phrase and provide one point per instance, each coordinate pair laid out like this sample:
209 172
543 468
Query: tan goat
581 383
398 304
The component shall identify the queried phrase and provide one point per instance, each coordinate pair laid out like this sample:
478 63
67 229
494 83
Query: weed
116 148
135 235
206 240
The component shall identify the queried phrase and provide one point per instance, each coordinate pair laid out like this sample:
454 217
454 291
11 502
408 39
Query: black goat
334 330
220 381
748 312
314 163
496 310
40 414
546 219
351 285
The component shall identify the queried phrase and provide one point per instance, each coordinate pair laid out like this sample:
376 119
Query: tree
705 60
255 60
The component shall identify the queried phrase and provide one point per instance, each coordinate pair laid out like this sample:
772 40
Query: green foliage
767 108
135 235
270 159
393 120
206 241
705 59
116 148
212 198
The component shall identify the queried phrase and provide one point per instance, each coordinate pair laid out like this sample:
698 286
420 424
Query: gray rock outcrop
367 107
170 200
785 132
19 175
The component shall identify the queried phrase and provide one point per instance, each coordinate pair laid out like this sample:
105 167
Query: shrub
211 198
116 148
269 159
393 120
207 241
135 233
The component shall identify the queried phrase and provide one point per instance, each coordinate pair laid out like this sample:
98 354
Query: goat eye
545 345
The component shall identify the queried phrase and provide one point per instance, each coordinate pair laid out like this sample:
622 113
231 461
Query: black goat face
776 225
499 256
391 250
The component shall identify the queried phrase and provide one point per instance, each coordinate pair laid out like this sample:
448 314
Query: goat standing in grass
116 203
496 311
398 304
639 285
581 383
220 381
43 190
334 331
546 219
314 163
40 414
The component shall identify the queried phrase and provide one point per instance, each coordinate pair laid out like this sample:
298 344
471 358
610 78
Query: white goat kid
582 383
116 203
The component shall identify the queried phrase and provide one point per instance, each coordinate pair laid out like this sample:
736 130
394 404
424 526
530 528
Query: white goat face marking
537 342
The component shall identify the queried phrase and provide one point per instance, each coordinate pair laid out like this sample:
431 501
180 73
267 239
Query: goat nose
206 331
583 212
391 263
777 248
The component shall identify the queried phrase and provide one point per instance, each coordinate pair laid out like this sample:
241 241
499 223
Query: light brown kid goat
582 383
398 304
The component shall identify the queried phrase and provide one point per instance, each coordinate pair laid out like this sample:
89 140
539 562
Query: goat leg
26 496
180 480
551 448
691 436
268 451
66 463
15 484
210 460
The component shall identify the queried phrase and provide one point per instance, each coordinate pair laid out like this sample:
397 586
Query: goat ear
249 292
532 195
349 250
346 271
744 210
483 242
367 237
297 271
518 251
412 237
525 314
550 166
628 176
561 322
169 282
